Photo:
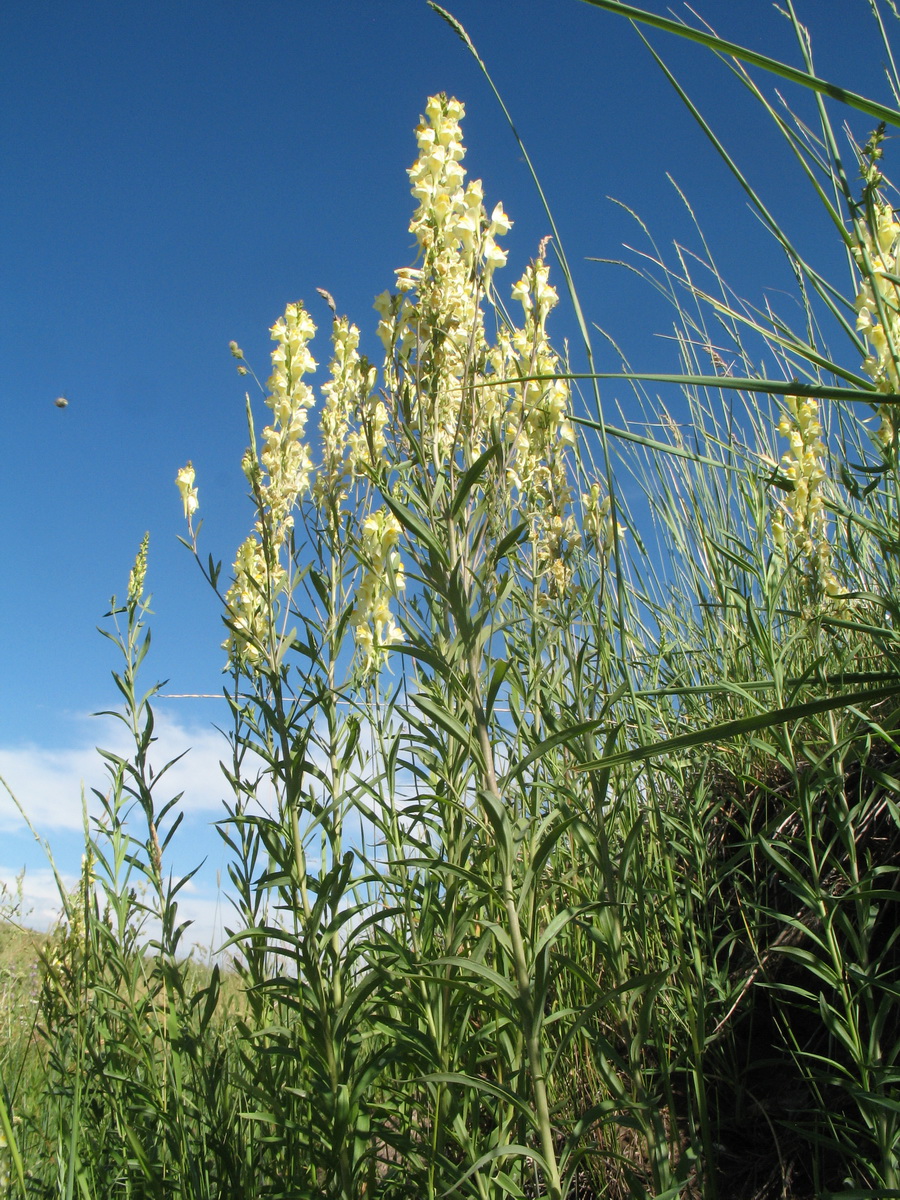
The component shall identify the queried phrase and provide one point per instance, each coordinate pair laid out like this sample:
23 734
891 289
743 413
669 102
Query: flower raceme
433 330
279 478
600 526
877 254
538 428
443 384
285 456
876 250
383 576
139 573
803 464
464 388
351 425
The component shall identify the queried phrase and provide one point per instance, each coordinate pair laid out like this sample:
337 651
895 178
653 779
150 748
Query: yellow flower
185 483
407 278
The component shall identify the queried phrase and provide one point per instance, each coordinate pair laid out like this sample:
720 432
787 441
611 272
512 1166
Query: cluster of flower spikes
351 431
877 255
279 477
464 389
803 464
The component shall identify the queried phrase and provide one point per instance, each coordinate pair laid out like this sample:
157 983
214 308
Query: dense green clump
558 868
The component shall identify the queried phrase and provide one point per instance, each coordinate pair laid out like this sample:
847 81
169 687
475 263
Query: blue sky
174 174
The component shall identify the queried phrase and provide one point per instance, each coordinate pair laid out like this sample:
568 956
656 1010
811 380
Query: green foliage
557 868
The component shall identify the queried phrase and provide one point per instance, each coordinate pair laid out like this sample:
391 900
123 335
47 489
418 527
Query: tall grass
558 867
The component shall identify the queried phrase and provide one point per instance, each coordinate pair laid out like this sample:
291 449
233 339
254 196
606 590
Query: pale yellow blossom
184 480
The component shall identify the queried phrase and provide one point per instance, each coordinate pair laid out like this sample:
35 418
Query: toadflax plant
535 842
563 852
433 513
449 395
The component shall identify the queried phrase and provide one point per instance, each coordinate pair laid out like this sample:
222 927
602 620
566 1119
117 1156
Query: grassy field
559 868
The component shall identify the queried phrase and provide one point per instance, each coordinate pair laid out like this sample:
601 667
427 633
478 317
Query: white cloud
39 895
40 907
49 782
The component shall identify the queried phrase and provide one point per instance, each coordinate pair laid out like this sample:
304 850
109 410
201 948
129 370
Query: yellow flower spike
877 303
372 620
138 573
803 466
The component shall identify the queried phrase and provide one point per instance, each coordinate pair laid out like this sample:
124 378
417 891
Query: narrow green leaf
731 729
444 719
879 111
471 477
11 1143
414 524
474 967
